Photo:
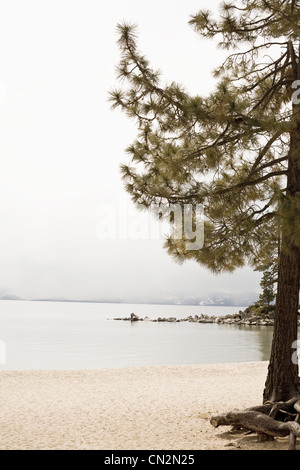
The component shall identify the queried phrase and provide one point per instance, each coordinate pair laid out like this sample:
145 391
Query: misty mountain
215 299
10 297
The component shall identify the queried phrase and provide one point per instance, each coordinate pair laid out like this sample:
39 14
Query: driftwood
269 420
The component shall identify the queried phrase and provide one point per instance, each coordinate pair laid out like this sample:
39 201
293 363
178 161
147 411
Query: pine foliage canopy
228 150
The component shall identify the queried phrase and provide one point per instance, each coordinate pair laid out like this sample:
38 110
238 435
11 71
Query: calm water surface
69 335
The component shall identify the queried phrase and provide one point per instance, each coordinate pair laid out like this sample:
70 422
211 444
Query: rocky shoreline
240 318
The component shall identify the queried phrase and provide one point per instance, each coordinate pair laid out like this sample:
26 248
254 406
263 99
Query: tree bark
282 381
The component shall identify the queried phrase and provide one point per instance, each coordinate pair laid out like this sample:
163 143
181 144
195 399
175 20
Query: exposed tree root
269 420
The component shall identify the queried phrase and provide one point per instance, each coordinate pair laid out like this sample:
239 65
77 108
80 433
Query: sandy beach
150 408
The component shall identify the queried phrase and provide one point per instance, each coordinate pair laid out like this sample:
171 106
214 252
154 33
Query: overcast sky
61 147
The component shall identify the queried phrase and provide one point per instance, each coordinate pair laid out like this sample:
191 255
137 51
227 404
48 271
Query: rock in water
134 317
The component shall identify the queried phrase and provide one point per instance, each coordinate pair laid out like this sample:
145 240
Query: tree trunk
279 415
282 381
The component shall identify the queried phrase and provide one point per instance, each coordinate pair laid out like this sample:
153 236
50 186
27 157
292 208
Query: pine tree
269 269
237 152
267 295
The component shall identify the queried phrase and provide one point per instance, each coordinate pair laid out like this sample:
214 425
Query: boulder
134 317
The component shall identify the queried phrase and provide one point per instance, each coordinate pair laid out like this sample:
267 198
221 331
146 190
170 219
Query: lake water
70 335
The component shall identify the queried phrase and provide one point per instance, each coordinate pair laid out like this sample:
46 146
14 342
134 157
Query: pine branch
276 161
263 152
246 182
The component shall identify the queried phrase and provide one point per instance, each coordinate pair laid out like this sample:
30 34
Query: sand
150 408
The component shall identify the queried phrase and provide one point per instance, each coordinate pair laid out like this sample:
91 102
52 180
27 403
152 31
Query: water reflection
261 336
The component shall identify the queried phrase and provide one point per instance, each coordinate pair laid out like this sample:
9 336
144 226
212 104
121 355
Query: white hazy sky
61 147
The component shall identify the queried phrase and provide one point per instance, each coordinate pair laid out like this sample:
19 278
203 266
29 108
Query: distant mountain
215 299
88 301
222 299
10 297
